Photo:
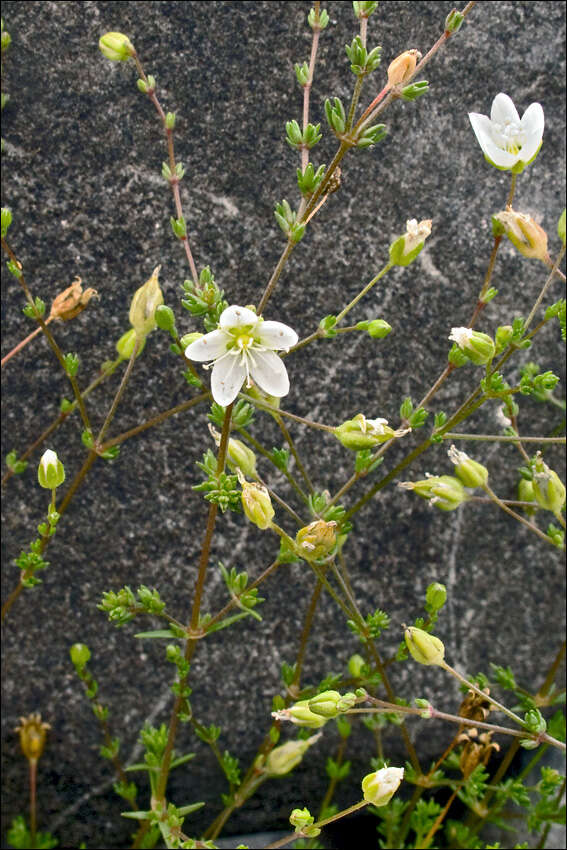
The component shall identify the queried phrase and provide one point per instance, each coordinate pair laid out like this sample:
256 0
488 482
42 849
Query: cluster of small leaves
558 310
309 180
30 562
298 138
122 606
87 440
14 464
236 584
19 836
231 768
337 771
241 417
33 311
327 327
204 299
390 819
415 90
549 808
365 462
287 673
422 819
319 506
362 62
414 418
280 458
287 220
539 385
71 363
375 624
223 489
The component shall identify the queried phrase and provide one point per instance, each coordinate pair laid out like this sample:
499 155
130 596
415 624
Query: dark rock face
82 176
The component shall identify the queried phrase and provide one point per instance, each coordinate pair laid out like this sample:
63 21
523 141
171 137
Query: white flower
506 141
462 336
379 787
243 348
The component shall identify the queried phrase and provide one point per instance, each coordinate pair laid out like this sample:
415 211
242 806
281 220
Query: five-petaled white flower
243 348
506 141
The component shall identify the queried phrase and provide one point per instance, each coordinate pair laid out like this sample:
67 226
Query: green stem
450 435
293 450
123 383
494 498
363 291
294 835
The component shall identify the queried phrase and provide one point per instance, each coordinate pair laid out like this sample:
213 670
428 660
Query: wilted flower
32 736
243 348
402 68
406 248
71 301
144 304
506 141
284 758
469 471
526 234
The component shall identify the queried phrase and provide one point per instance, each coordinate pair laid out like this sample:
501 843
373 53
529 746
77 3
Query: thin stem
120 391
272 283
363 291
234 602
499 438
294 835
480 693
546 286
155 420
33 800
24 342
440 818
265 453
293 450
277 411
307 625
504 507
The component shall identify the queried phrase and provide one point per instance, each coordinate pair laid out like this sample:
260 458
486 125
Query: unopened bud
316 540
423 647
80 655
144 304
478 347
454 21
32 736
361 433
283 759
50 472
256 504
469 471
71 301
405 249
302 819
549 490
238 455
436 595
331 703
126 344
526 494
444 491
561 227
301 715
528 237
356 665
256 393
378 328
402 69
378 788
165 318
116 46
503 336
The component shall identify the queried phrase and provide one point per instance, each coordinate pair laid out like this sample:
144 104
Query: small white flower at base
379 787
508 142
242 349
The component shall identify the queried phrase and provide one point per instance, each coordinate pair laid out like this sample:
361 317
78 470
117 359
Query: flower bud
256 504
32 736
238 455
529 238
436 595
126 343
405 249
189 338
300 714
469 471
549 490
561 227
478 347
443 491
283 759
165 318
144 304
361 433
526 494
116 46
50 472
454 21
379 787
424 648
325 704
402 69
316 540
503 337
356 665
378 328
80 655
255 392
302 819
71 301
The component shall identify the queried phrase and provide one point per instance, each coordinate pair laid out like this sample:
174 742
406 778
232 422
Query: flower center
510 137
244 341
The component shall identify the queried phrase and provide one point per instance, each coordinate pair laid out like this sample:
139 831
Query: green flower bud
478 347
356 664
256 504
170 121
126 343
443 491
116 46
80 655
549 490
561 227
165 318
302 819
300 714
526 494
405 249
6 220
423 647
503 336
50 472
378 328
316 540
361 433
454 21
189 338
283 759
378 788
325 704
238 456
436 595
469 471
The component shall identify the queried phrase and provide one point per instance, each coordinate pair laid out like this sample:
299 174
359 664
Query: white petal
503 110
276 335
532 124
235 317
208 347
227 378
269 372
497 155
482 127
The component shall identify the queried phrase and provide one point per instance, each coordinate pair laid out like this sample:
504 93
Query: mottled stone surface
82 176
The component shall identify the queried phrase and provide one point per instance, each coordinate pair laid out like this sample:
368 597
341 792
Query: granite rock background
81 172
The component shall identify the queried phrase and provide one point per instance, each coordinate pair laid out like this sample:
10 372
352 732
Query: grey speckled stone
82 162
